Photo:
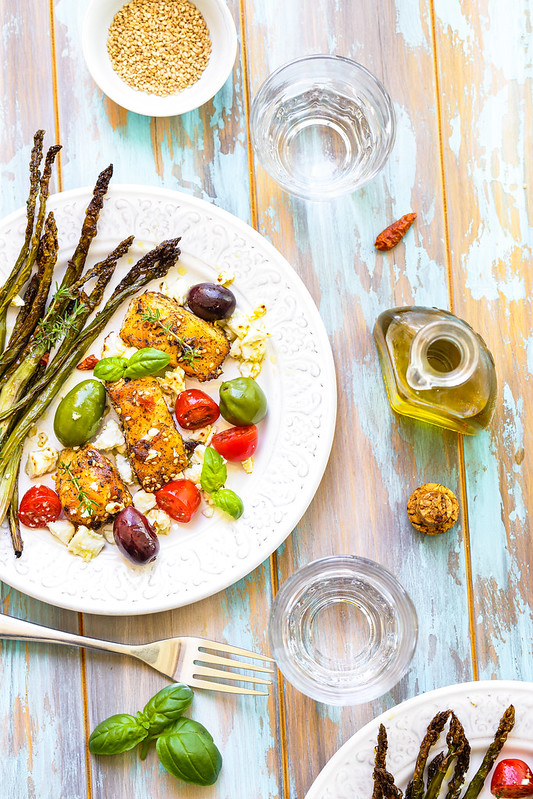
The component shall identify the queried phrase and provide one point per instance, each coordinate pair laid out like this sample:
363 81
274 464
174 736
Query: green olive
242 401
79 413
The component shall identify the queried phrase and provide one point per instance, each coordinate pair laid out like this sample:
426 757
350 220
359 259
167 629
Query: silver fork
182 659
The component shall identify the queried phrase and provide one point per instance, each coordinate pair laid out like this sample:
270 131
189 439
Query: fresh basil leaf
214 472
167 706
228 501
187 750
146 361
116 734
110 369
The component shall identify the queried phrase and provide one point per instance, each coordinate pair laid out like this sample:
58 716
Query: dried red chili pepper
88 363
390 237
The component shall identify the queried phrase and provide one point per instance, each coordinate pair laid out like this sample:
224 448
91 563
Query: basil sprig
166 707
118 733
212 478
188 752
214 472
228 501
144 362
184 747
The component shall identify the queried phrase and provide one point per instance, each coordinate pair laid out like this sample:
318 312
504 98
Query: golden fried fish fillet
154 320
91 490
155 447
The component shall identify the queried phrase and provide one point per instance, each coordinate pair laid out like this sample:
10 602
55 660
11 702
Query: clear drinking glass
343 630
322 126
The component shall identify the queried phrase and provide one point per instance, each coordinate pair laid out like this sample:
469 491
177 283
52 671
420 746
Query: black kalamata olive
210 301
135 537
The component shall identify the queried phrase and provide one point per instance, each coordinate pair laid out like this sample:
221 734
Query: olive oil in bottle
436 368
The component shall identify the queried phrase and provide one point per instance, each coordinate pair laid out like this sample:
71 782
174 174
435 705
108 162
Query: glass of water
343 630
322 126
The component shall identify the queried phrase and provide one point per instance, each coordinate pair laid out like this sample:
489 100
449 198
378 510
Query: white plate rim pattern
478 705
306 419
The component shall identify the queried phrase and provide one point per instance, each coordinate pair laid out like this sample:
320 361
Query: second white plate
478 705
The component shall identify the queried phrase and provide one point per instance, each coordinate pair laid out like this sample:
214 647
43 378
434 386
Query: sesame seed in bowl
159 57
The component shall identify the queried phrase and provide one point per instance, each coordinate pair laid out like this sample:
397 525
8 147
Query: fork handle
19 630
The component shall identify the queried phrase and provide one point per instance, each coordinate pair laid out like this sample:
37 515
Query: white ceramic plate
478 705
209 554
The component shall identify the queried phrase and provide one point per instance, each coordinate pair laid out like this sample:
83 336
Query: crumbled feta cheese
194 470
17 301
153 431
87 544
198 454
226 277
237 325
114 347
124 469
63 530
248 465
193 473
159 520
249 369
173 382
152 455
208 511
203 434
114 507
250 349
176 288
144 501
110 436
41 461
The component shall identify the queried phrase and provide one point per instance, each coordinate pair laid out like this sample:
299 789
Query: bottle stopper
433 509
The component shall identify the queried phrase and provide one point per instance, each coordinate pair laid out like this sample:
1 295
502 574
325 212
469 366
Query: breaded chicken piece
153 320
155 447
90 489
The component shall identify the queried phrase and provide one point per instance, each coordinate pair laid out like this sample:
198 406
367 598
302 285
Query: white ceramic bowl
223 35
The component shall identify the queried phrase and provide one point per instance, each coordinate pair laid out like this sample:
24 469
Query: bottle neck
443 354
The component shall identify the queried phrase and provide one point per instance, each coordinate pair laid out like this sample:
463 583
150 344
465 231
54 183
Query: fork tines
220 676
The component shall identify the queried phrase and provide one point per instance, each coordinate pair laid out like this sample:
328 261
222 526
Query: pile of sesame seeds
159 46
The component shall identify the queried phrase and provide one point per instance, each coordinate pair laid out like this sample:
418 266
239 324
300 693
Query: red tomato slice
511 779
180 499
237 443
39 506
195 409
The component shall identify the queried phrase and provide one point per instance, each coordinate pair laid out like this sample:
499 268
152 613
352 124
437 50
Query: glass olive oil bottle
436 368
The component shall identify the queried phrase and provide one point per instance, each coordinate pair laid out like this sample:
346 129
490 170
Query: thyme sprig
188 353
86 504
53 330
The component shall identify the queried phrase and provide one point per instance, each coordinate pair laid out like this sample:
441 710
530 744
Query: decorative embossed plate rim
298 376
478 705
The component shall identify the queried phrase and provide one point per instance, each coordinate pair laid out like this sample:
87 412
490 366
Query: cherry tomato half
237 443
195 409
512 778
180 499
39 506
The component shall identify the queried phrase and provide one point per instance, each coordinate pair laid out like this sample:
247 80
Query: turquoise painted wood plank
202 153
487 143
377 458
41 709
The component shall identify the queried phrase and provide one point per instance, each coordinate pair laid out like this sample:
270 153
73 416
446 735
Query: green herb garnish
188 353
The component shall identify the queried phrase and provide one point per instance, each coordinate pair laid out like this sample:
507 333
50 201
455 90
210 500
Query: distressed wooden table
460 78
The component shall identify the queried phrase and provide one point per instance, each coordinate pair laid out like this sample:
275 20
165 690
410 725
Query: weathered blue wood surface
460 78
